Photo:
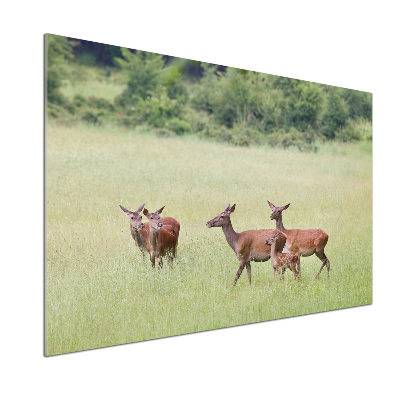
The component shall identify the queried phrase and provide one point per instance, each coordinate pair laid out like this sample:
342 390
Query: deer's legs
160 263
298 267
293 268
239 272
153 261
170 261
248 267
325 261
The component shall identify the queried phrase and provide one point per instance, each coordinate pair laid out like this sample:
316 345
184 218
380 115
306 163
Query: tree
143 72
59 50
335 116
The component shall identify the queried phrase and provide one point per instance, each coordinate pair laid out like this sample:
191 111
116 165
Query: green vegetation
100 293
130 127
102 84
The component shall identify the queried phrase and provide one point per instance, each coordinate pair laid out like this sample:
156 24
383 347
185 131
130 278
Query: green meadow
99 292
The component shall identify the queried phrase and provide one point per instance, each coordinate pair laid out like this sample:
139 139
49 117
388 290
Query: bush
203 93
79 101
215 132
360 129
58 52
143 75
334 118
304 141
197 119
303 106
359 104
158 108
243 135
179 126
91 117
164 132
100 104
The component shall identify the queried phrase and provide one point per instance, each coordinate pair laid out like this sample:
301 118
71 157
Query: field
100 293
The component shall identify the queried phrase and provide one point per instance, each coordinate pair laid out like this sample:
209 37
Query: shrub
243 135
204 92
58 52
303 106
101 104
143 75
355 130
164 132
79 101
197 119
335 116
179 126
158 108
91 117
304 141
359 104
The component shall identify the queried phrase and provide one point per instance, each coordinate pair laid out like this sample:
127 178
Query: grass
99 291
92 81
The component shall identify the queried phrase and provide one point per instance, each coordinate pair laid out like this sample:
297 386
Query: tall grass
99 291
92 82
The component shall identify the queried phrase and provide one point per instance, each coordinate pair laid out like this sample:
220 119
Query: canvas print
183 196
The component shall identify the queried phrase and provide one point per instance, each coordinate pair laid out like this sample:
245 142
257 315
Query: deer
163 237
248 245
139 230
305 242
282 260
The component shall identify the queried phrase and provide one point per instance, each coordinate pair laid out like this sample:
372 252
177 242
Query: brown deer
306 242
139 230
282 260
163 236
248 245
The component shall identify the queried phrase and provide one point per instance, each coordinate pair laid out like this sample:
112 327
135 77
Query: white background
352 353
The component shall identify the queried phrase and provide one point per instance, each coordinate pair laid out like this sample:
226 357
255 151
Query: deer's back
169 221
305 241
167 238
287 258
252 243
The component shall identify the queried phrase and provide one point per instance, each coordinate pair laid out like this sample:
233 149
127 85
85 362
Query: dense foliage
177 96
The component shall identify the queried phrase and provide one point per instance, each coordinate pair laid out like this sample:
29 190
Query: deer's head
134 217
272 240
277 211
221 219
154 218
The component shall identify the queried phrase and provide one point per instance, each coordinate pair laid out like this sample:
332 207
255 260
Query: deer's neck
230 235
138 237
279 224
153 239
274 260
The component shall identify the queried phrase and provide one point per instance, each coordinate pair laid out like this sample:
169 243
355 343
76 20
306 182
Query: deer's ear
145 212
140 208
285 207
232 209
125 210
227 208
271 205
160 210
